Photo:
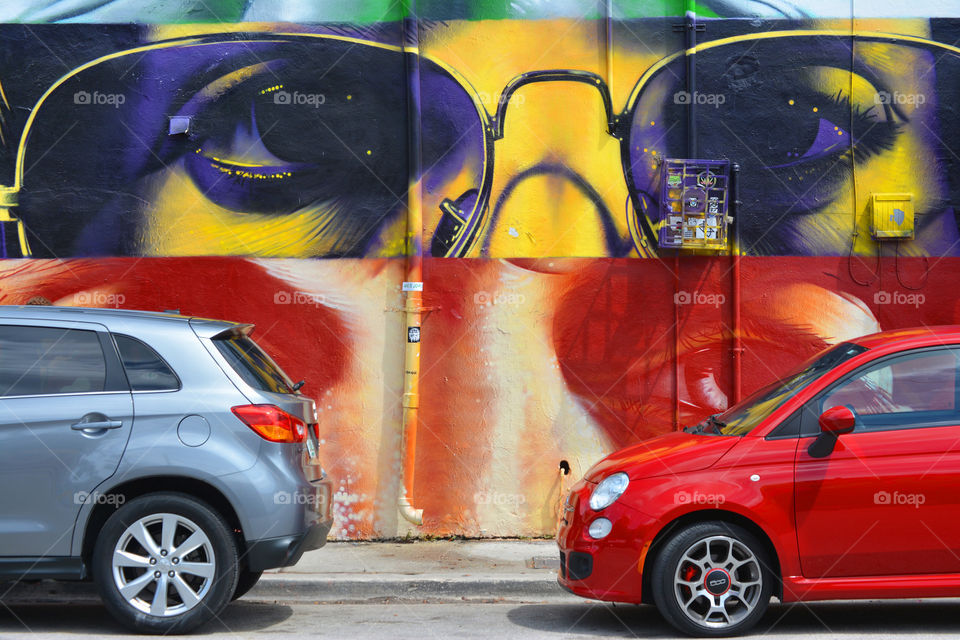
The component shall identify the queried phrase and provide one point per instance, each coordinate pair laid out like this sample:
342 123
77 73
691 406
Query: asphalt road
559 618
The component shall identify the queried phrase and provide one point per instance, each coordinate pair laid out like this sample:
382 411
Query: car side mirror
833 422
837 420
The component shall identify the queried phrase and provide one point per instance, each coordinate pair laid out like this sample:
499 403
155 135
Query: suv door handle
96 426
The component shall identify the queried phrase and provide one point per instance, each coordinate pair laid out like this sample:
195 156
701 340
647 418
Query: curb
333 588
358 587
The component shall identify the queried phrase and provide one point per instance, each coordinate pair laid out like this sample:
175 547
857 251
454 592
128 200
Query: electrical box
892 216
694 200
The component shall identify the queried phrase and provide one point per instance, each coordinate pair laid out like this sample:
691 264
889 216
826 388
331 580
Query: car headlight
609 489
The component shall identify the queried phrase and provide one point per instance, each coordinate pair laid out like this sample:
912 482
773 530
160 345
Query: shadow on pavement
868 617
20 618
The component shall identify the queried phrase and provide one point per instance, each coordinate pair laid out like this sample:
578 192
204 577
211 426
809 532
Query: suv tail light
271 422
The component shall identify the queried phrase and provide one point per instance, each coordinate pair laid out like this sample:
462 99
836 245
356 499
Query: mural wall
293 164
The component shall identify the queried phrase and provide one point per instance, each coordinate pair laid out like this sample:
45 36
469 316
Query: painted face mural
298 145
262 172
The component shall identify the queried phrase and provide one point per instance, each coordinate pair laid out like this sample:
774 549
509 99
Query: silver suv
166 457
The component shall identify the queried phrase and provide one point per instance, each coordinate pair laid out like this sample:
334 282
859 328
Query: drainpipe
691 29
413 277
608 14
676 341
737 340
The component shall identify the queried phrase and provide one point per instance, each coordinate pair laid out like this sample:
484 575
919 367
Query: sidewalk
424 570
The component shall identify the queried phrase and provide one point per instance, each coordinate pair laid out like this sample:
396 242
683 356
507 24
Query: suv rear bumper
286 551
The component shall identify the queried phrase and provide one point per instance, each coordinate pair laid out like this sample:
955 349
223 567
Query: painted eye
283 138
828 139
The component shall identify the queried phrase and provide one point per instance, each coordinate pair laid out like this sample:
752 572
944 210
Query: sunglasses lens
286 146
791 111
9 244
454 162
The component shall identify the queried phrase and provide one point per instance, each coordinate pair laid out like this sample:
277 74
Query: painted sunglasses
325 127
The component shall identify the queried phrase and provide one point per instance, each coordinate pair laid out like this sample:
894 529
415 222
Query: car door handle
96 426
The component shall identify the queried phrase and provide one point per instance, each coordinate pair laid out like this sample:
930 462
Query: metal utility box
694 200
892 216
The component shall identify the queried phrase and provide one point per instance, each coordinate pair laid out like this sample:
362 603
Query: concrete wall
556 324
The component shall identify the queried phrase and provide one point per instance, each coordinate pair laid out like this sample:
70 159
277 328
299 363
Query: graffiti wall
289 164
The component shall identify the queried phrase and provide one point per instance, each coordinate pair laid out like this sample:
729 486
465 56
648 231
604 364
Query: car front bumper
607 569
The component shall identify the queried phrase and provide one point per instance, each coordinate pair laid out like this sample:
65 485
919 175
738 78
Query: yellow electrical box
892 216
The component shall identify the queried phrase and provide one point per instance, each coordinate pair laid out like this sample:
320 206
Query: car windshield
743 417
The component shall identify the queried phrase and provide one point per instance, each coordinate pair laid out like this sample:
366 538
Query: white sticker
413 286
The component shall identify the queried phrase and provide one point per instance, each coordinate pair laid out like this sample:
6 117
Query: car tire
136 554
712 579
245 581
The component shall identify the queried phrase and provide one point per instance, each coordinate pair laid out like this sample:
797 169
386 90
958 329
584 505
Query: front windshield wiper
711 422
718 425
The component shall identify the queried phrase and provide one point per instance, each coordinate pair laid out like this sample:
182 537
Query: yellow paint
546 123
185 223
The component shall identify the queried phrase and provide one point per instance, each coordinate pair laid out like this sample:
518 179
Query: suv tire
167 541
245 581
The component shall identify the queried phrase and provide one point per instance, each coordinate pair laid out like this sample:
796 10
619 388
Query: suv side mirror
837 420
833 422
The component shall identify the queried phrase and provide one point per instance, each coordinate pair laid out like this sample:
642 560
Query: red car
842 480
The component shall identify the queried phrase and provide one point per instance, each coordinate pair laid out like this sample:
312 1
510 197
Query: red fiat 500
838 481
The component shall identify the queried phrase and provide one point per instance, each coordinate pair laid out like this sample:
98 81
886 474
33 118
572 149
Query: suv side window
917 389
146 370
50 360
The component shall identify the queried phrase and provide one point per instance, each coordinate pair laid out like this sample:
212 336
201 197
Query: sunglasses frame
470 226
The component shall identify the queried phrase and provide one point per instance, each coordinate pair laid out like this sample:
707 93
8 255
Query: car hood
667 454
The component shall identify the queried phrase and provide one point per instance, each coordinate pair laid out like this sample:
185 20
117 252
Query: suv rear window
146 370
253 365
48 360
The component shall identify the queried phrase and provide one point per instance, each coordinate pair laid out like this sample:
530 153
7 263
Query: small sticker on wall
413 334
412 286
